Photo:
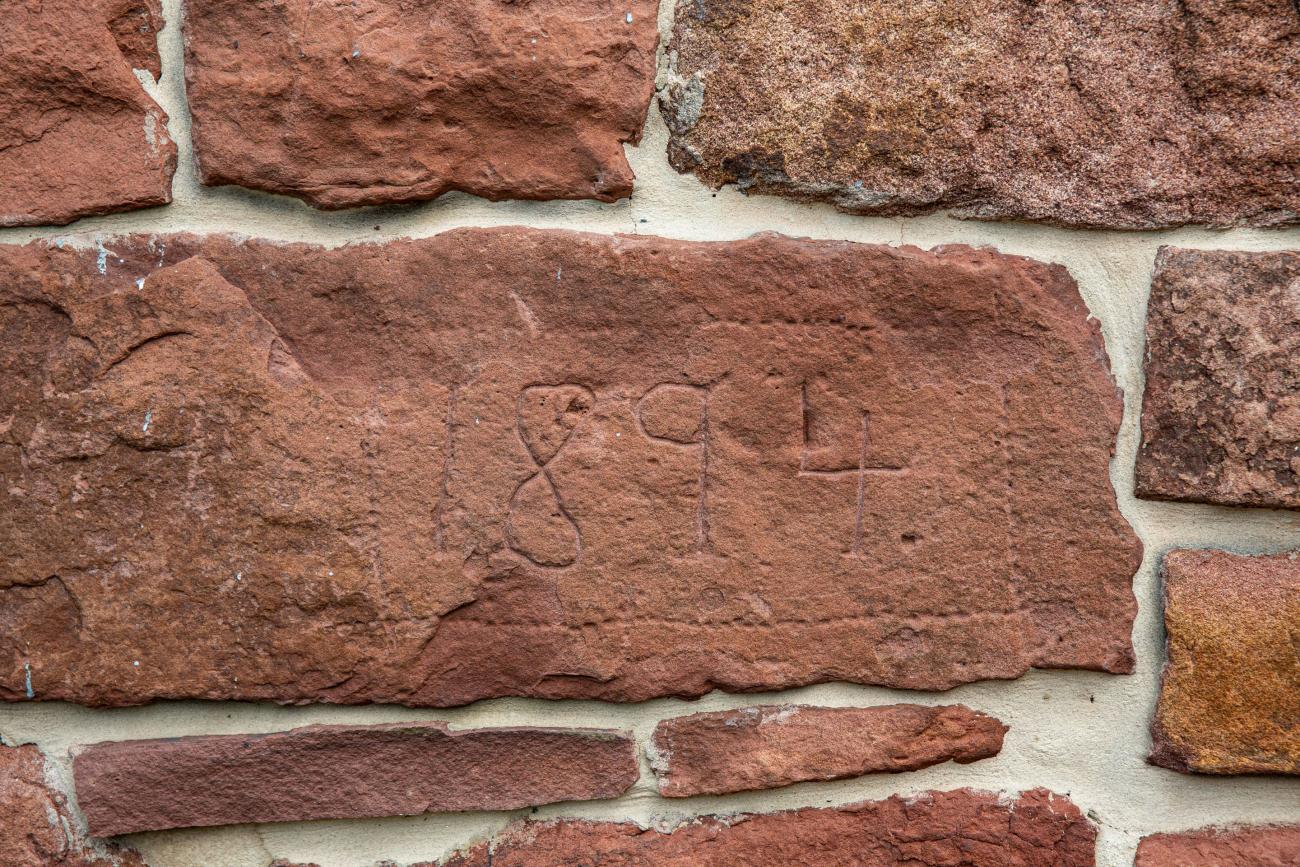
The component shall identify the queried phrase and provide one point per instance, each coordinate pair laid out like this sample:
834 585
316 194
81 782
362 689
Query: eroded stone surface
936 829
775 745
1230 699
1221 414
79 135
1107 114
507 461
334 772
1230 847
35 827
382 101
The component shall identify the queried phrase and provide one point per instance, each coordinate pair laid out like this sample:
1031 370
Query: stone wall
573 432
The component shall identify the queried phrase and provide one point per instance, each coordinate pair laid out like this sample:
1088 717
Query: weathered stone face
79 136
1221 414
769 746
1038 829
381 101
35 827
334 772
1230 699
1112 114
1218 847
516 462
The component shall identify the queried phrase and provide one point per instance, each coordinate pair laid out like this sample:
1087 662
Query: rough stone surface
1111 113
936 829
1221 414
333 772
78 134
1230 699
1230 847
345 103
516 462
776 745
35 826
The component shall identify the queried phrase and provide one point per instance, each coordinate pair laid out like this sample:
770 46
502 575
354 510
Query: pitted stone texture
79 136
345 103
935 829
35 826
1266 846
1230 699
1221 415
775 745
335 772
516 462
1109 114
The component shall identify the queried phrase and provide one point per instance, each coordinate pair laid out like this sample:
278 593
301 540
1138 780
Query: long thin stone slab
1035 829
518 462
79 136
335 772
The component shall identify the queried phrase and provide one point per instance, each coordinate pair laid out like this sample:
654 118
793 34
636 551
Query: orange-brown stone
365 102
78 135
1113 113
1230 698
517 462
769 746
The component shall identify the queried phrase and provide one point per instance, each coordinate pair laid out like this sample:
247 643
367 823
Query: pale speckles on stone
1107 116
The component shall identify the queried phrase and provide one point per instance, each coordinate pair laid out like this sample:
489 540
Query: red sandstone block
776 745
1119 114
1221 413
320 772
1230 696
385 101
78 135
1223 847
520 462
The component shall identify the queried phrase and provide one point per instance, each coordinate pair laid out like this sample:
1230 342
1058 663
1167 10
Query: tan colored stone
337 772
1221 414
935 829
517 462
769 746
1110 114
78 135
1230 699
366 102
1223 847
35 826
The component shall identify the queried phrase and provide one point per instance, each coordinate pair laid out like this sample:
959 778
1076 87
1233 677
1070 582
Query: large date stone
364 102
518 462
1111 113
